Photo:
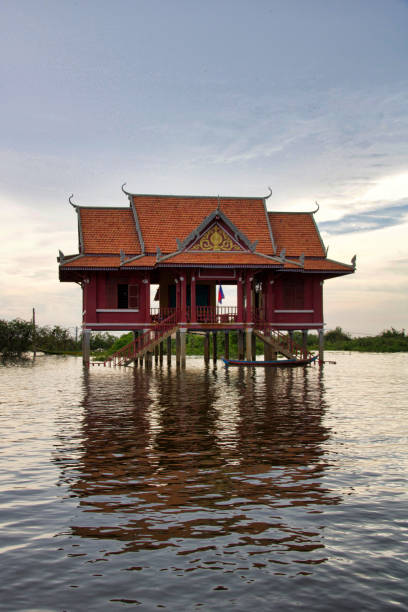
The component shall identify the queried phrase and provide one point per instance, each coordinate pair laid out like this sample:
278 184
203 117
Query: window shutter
110 295
294 294
133 296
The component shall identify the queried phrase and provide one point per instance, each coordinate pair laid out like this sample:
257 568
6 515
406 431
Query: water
206 488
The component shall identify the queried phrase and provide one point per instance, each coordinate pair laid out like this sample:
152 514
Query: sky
228 97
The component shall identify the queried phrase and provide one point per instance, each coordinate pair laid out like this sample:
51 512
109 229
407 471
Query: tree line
18 337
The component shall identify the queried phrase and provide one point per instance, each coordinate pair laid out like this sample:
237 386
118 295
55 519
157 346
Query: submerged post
183 334
226 345
168 350
321 346
148 354
214 335
268 350
290 334
304 342
253 347
248 343
135 336
207 347
86 346
241 349
178 355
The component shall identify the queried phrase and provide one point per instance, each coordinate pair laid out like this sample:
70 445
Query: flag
221 295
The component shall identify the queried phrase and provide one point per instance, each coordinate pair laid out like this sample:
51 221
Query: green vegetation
389 341
18 337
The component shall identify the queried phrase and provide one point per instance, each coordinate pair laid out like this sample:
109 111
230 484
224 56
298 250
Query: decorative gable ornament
215 239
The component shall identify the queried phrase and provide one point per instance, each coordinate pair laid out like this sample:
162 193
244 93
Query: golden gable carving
215 239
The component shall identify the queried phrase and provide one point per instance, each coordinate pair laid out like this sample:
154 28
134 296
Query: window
128 296
293 293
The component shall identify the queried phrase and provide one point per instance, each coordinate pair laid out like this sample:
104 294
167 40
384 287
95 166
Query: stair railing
130 351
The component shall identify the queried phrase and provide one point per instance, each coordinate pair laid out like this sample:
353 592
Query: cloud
368 220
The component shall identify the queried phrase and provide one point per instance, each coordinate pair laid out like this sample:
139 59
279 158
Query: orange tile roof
297 233
107 230
212 258
164 218
110 261
321 264
93 261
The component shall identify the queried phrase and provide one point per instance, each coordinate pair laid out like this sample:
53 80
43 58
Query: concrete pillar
304 342
214 347
226 345
321 346
248 343
241 348
86 346
183 334
168 350
207 347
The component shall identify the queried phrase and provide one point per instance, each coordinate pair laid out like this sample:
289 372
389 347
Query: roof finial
71 202
125 192
353 261
269 195
218 206
315 211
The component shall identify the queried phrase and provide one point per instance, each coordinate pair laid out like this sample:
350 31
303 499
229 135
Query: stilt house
186 245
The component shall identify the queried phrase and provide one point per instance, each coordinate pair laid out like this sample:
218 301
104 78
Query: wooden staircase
280 342
144 343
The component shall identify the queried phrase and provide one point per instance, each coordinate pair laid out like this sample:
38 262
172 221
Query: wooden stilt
248 343
253 347
241 343
304 342
268 350
207 346
226 345
321 346
86 346
178 354
290 332
214 346
135 336
168 350
161 352
183 335
156 354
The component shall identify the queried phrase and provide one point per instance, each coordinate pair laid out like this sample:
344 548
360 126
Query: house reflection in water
203 460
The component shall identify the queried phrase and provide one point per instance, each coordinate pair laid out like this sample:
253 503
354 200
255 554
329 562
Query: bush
15 337
336 335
